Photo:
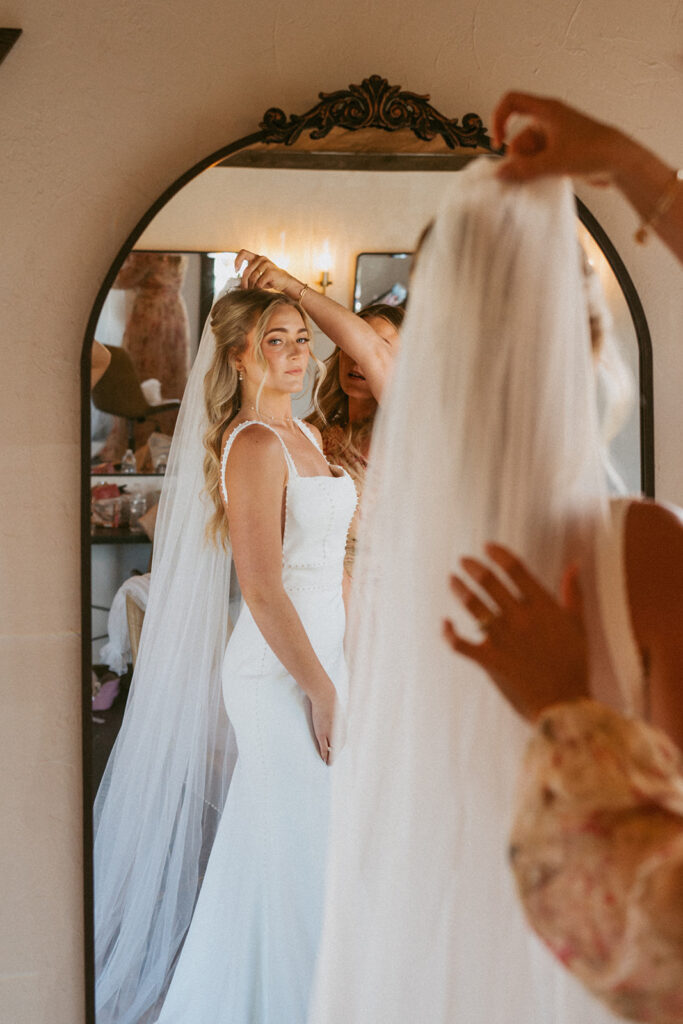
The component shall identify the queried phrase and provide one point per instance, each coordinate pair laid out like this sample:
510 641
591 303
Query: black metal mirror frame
374 104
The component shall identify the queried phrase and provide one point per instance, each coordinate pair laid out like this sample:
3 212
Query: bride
490 433
268 497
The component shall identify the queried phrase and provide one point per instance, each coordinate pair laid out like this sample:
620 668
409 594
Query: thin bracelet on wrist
662 205
302 293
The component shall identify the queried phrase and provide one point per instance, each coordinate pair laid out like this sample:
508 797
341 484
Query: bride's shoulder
651 523
251 442
654 549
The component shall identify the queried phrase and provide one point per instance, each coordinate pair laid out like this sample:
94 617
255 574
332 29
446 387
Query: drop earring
239 376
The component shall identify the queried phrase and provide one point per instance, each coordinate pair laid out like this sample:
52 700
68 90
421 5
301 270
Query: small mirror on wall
381 277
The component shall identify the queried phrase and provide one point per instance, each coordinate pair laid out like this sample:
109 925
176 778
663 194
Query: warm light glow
280 256
325 258
598 261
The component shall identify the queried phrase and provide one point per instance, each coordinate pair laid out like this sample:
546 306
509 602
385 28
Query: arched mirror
339 196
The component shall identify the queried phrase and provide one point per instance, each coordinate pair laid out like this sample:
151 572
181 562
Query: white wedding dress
251 948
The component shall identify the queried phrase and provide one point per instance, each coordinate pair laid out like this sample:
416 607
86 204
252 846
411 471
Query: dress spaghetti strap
307 432
226 451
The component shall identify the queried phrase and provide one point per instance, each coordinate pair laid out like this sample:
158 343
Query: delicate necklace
283 421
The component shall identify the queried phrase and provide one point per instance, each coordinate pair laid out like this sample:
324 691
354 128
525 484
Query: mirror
382 277
339 197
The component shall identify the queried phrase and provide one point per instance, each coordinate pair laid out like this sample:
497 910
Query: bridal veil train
249 954
159 804
490 433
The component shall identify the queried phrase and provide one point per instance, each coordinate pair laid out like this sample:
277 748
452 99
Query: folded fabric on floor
116 653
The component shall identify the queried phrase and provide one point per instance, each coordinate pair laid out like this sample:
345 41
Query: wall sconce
325 264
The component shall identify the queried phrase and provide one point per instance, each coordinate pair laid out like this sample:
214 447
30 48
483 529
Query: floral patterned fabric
597 851
336 452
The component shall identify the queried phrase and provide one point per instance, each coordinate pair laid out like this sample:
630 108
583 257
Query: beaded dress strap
224 458
307 432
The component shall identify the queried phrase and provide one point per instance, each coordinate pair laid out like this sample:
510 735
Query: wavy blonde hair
233 317
333 403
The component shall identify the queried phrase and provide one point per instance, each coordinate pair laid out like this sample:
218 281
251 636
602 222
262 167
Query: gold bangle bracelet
663 204
302 293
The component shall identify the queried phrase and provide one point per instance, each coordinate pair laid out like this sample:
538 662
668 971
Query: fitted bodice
318 511
251 949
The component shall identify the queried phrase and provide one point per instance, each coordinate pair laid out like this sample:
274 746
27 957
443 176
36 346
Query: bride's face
285 348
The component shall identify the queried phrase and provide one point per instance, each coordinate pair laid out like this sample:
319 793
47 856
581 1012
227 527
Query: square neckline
292 470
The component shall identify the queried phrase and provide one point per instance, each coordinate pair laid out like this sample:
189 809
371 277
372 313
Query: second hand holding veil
490 432
164 788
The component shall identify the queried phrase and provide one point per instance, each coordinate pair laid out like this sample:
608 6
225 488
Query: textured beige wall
102 106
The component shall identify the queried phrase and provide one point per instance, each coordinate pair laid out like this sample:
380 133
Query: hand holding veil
161 797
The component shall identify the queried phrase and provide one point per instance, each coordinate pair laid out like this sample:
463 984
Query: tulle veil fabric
490 432
161 797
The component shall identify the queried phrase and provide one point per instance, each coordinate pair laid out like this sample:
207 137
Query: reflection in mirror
150 321
385 277
622 372
337 225
382 277
265 221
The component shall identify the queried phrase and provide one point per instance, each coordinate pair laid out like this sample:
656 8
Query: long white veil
490 433
161 797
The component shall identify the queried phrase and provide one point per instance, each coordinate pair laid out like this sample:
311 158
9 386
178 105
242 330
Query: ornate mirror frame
371 126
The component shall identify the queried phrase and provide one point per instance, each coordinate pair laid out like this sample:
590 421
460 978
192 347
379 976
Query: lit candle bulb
325 264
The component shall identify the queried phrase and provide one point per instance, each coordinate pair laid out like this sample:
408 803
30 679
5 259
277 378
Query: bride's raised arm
349 332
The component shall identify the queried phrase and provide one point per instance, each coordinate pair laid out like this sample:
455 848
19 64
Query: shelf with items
117 509
117 474
117 535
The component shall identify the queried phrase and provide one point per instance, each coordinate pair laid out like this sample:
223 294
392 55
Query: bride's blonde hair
232 319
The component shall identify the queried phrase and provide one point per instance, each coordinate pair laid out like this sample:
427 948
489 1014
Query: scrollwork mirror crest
377 105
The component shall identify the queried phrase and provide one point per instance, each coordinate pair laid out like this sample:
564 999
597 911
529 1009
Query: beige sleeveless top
617 674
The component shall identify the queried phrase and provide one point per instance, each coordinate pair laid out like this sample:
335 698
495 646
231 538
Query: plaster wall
293 216
102 107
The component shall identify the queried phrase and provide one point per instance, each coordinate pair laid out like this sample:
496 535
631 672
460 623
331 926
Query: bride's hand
328 725
261 272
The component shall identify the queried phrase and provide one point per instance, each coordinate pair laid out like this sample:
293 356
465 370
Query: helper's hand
261 272
558 140
534 647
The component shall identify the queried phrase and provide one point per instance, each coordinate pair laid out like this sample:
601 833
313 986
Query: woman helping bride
490 433
270 497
